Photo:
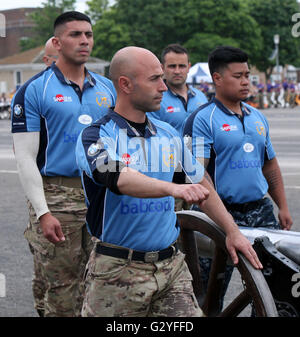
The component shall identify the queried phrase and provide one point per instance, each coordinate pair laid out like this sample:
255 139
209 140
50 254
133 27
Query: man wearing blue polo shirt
180 100
238 152
48 113
128 164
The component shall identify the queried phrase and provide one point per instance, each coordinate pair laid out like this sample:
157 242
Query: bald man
50 53
128 164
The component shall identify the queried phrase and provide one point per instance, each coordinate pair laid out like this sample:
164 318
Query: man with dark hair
238 152
180 100
48 113
68 17
136 268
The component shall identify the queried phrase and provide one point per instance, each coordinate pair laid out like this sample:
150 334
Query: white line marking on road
8 171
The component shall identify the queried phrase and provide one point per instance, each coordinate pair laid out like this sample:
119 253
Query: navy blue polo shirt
144 224
51 104
237 148
174 109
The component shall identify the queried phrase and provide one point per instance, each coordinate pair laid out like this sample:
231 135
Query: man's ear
217 78
125 84
56 43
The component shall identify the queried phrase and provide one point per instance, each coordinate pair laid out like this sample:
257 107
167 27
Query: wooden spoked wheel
256 289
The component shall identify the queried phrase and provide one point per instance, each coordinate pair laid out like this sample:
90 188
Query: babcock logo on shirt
71 137
244 164
145 206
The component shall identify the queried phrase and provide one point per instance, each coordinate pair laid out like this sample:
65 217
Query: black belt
247 206
124 253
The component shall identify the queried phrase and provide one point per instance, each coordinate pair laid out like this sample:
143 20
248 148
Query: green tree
275 17
221 22
44 18
201 44
155 23
97 8
109 35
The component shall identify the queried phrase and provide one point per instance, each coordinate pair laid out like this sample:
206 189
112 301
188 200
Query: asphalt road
15 258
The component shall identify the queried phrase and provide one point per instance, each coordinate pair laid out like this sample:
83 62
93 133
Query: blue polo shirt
174 109
237 149
51 104
144 224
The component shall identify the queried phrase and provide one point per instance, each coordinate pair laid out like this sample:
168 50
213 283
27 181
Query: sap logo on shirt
128 159
227 127
70 138
61 98
241 164
171 109
144 206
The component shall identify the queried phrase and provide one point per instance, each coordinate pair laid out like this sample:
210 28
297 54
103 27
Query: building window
18 78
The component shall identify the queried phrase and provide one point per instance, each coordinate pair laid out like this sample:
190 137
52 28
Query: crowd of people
105 163
285 94
4 106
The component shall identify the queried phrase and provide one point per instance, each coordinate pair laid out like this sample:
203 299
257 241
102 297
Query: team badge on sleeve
18 110
94 149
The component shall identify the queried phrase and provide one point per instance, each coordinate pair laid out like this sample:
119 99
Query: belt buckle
151 257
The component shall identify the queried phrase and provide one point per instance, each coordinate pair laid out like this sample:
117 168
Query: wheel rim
256 289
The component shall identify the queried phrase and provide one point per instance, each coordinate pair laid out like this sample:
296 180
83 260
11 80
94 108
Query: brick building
17 26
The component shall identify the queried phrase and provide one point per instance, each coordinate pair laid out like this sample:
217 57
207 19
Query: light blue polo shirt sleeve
33 108
193 170
26 107
95 152
198 131
201 137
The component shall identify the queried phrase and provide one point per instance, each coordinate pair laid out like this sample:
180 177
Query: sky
11 4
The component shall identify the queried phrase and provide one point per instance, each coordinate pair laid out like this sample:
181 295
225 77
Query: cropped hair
219 58
70 16
175 48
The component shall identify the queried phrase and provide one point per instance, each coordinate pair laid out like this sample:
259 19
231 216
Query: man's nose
163 86
84 39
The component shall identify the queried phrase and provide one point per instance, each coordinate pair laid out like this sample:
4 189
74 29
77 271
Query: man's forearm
26 149
214 208
136 184
272 173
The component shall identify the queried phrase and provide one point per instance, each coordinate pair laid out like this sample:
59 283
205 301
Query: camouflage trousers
260 216
58 269
125 288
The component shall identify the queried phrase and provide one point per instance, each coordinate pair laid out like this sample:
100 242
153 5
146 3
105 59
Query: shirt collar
131 131
65 80
191 92
220 105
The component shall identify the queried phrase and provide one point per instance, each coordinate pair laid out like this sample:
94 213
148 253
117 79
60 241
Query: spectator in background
50 53
180 100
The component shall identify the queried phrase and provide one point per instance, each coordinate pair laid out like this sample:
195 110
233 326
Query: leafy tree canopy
44 18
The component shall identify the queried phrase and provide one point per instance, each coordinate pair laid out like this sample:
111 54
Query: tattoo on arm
273 178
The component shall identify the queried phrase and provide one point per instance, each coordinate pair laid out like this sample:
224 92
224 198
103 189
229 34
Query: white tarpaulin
198 73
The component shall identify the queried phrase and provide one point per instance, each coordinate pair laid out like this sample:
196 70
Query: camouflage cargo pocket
34 235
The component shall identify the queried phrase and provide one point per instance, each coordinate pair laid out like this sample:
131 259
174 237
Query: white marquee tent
199 72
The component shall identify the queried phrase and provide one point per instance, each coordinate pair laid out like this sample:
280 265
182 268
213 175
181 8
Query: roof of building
28 56
35 55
